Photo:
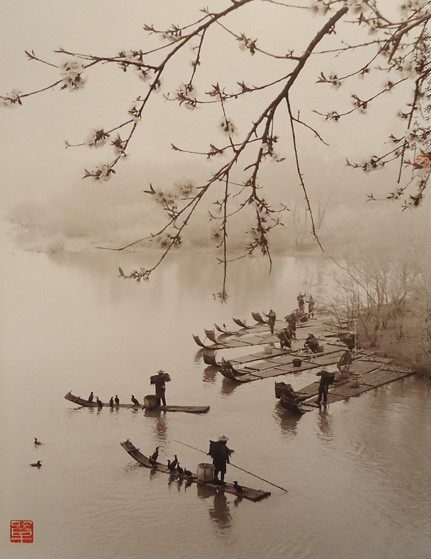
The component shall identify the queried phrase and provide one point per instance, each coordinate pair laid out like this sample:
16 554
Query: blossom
72 75
356 7
318 7
11 99
97 137
227 125
101 173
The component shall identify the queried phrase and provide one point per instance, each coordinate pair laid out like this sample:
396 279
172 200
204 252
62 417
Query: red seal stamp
21 531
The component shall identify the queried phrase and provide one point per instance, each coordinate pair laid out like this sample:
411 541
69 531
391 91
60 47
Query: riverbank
406 339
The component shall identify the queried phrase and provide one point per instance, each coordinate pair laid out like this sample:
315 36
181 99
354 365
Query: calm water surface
358 476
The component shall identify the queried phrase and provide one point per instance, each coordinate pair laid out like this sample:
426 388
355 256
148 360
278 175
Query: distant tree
398 47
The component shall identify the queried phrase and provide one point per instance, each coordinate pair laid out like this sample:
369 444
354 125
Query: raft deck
374 371
247 493
85 403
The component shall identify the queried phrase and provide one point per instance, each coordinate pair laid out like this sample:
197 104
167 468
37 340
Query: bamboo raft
247 492
370 371
373 371
85 403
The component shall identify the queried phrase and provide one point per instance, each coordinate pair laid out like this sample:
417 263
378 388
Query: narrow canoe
85 403
136 454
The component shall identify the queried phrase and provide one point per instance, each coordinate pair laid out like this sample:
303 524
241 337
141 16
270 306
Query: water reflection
210 374
324 422
288 420
160 428
228 386
219 513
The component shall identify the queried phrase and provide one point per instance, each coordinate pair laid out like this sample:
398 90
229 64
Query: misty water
358 475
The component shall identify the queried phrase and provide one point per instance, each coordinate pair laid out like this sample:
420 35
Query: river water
358 475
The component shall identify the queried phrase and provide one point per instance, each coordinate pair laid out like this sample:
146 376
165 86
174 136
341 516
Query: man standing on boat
159 380
220 454
271 320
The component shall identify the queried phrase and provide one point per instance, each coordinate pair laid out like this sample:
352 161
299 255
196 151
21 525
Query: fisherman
220 454
159 380
291 321
285 337
344 363
310 303
301 303
91 397
312 343
326 379
271 320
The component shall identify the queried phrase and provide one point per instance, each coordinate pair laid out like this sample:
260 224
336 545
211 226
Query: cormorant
90 398
179 469
111 402
117 399
155 455
239 488
99 402
174 462
187 473
36 442
135 401
38 464
172 465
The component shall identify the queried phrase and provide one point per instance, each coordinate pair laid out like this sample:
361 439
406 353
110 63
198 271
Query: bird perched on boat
135 401
90 398
179 469
36 442
99 402
117 399
239 488
37 464
187 473
174 462
155 455
111 402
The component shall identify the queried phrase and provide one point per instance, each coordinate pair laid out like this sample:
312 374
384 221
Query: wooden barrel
150 401
205 472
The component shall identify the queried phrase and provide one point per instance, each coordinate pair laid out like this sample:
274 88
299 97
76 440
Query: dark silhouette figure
271 320
37 464
155 455
135 401
111 402
91 397
117 400
159 381
220 454
36 442
99 403
239 488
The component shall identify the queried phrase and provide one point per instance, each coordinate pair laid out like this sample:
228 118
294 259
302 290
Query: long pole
237 467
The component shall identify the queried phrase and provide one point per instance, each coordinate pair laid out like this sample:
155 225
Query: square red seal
21 531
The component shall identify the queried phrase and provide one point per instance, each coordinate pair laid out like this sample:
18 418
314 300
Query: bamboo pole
237 467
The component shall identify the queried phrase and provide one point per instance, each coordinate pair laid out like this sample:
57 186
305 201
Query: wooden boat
240 323
85 403
210 334
290 400
258 318
209 359
223 330
136 454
